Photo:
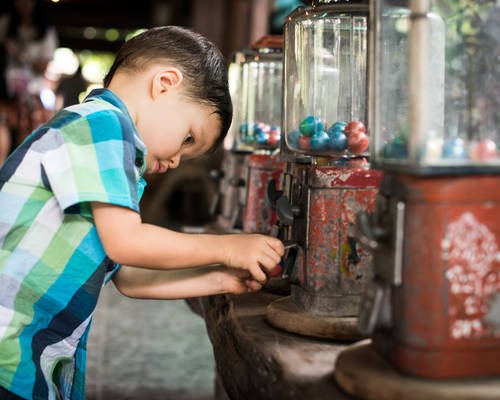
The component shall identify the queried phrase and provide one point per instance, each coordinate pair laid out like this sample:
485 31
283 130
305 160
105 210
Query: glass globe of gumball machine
433 307
231 178
260 129
324 118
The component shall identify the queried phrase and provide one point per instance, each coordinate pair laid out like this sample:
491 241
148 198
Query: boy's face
176 128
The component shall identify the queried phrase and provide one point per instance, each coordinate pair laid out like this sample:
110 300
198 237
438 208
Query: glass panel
260 125
234 80
437 85
325 82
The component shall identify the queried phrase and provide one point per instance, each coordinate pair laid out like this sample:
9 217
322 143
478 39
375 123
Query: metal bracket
369 309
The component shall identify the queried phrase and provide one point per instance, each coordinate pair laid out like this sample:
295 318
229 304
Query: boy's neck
127 92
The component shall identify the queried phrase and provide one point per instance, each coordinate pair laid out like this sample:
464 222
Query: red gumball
305 143
274 138
485 150
355 127
276 271
358 143
264 127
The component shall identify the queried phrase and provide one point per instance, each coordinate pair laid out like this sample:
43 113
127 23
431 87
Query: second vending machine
328 179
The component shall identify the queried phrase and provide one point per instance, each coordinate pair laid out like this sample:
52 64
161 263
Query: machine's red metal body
334 269
232 190
450 276
258 217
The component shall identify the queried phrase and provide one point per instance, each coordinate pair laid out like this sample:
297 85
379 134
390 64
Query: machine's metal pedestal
363 373
285 314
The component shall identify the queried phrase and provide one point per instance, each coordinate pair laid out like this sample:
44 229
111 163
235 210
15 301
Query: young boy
69 213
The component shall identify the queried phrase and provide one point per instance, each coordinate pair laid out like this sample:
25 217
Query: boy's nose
174 161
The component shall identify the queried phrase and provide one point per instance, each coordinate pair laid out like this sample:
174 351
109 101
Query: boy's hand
237 281
257 254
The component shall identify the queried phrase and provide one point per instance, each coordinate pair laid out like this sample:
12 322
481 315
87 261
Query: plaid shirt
52 263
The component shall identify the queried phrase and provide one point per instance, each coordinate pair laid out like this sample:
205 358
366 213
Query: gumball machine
260 129
227 206
324 119
433 305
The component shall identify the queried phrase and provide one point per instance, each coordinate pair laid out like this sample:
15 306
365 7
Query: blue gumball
261 137
311 125
338 126
338 139
292 138
248 139
246 128
396 149
455 149
320 141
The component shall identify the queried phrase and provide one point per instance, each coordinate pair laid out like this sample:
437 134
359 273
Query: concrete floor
145 349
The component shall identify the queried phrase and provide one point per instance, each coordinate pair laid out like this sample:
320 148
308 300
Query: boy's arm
178 284
128 241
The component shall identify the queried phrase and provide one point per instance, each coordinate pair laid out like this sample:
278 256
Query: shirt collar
110 97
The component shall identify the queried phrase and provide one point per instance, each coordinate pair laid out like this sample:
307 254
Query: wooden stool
363 373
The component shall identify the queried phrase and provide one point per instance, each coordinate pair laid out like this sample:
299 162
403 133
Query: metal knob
216 204
290 258
216 174
367 232
272 195
238 182
286 212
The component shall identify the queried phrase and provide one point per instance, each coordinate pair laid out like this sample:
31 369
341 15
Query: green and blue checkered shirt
52 263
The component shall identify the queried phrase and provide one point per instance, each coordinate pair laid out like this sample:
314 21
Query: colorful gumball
246 128
484 150
248 139
261 137
311 125
305 143
320 141
264 127
455 149
274 138
338 126
355 127
396 149
358 142
433 149
338 139
275 128
276 271
292 138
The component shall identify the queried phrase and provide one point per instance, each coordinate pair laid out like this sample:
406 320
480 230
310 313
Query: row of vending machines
367 138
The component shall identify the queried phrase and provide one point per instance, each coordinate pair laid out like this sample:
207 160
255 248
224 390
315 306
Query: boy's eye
189 139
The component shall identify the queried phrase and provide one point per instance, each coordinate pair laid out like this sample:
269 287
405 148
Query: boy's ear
165 80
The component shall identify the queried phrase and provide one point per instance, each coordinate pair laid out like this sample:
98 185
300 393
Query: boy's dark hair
200 61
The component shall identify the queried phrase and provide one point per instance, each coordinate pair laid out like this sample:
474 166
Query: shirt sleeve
92 159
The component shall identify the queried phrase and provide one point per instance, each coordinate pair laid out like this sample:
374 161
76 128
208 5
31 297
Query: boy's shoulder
93 120
94 108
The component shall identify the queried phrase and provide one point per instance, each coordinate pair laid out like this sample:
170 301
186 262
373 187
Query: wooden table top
256 361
